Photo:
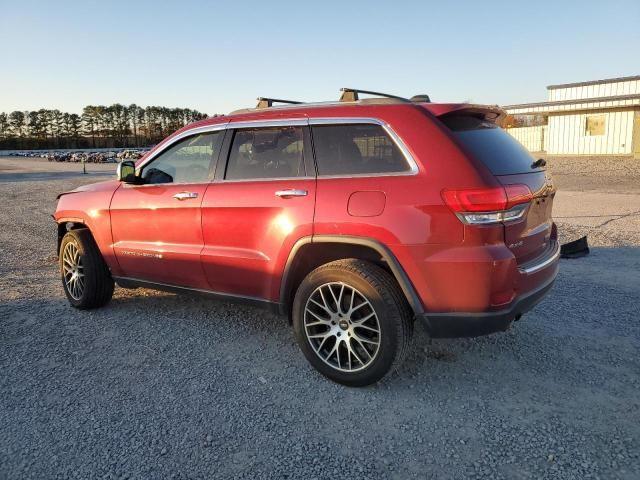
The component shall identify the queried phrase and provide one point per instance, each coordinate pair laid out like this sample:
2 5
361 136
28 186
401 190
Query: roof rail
351 95
265 102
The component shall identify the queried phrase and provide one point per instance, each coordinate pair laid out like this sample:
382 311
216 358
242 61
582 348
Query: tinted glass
188 161
356 149
266 153
490 144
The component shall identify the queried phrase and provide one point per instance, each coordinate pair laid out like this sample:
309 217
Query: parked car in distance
353 219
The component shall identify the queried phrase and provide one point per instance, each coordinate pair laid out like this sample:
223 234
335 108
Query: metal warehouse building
601 117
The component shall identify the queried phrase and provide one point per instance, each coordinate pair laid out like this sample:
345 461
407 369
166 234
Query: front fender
89 208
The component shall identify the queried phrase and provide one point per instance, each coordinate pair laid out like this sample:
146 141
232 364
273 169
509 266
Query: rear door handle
291 193
185 195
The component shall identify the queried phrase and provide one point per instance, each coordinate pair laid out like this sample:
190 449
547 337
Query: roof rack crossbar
351 95
266 102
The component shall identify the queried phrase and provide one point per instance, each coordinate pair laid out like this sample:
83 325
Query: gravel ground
163 386
598 197
603 174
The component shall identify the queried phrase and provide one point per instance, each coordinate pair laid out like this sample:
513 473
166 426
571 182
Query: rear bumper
474 324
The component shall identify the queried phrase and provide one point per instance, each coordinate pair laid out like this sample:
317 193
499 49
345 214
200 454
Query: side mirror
126 171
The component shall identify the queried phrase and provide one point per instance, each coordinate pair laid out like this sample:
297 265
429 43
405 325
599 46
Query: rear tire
352 322
86 279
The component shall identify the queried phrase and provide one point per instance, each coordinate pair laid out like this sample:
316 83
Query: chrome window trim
147 185
275 179
285 122
413 166
291 122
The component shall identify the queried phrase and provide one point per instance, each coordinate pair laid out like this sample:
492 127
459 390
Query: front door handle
291 193
185 195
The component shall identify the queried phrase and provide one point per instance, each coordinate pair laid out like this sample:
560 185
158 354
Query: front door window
188 161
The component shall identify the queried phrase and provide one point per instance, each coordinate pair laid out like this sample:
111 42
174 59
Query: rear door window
485 141
260 153
356 149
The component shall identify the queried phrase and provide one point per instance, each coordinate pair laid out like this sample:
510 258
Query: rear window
490 144
356 149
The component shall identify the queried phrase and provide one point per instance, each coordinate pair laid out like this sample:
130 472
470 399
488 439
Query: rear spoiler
492 113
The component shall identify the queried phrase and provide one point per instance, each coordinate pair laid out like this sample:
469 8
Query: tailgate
529 238
511 164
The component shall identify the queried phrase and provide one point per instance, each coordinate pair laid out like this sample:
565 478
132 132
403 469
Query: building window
595 125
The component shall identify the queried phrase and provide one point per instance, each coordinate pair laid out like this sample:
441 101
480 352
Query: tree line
98 126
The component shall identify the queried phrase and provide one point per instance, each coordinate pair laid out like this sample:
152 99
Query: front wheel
86 279
351 321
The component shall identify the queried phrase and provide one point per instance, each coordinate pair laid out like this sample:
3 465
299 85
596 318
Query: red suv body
248 205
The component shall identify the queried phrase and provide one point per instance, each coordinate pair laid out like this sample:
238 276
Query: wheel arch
310 252
66 225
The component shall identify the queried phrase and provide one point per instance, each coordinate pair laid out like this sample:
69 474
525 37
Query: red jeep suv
351 218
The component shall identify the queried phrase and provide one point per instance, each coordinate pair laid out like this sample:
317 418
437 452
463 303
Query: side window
275 152
187 161
356 149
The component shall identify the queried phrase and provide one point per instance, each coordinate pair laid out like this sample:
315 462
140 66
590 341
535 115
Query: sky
219 56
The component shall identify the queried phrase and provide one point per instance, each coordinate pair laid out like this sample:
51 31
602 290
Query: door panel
260 205
158 237
157 226
249 232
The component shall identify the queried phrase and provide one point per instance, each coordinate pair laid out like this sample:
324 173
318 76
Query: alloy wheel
73 271
342 327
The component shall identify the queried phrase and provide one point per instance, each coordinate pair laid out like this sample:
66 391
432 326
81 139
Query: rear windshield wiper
541 162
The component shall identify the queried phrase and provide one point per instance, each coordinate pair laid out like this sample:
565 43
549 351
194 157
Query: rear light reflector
502 298
489 205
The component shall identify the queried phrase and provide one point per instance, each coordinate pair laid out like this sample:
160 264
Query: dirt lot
163 386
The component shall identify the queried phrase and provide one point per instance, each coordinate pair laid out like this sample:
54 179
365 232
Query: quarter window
257 153
188 161
356 149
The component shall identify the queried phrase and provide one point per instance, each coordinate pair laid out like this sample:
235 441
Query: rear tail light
482 206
